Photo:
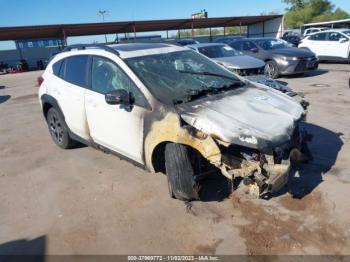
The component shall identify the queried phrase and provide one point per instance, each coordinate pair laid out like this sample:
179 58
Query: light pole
103 13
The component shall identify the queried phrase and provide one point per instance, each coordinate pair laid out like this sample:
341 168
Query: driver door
337 45
115 126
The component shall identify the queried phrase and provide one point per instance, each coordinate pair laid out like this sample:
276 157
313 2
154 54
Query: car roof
206 45
340 30
138 46
144 49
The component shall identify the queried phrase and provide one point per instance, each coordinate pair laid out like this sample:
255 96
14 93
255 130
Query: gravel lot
83 201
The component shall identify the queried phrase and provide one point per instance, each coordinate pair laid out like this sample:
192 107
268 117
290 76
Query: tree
301 12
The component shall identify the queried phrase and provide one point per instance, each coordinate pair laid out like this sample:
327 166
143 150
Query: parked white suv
169 109
328 45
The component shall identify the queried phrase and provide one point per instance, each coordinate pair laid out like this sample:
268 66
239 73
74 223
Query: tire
271 69
180 173
58 129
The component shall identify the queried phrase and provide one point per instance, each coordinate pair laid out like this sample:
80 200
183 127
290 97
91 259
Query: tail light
40 80
300 42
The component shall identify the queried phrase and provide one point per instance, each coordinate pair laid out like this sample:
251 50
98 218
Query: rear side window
74 70
56 67
318 37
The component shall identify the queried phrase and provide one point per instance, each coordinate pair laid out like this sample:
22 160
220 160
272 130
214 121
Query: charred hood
249 116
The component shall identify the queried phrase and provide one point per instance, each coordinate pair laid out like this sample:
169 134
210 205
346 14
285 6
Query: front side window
74 70
318 37
347 33
106 77
175 77
237 45
218 51
248 46
334 36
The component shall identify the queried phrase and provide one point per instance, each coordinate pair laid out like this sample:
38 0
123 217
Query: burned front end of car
265 170
258 133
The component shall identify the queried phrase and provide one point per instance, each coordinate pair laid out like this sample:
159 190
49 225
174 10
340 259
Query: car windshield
347 33
175 77
270 44
217 51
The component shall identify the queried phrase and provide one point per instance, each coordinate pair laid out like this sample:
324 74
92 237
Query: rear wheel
180 173
271 69
58 129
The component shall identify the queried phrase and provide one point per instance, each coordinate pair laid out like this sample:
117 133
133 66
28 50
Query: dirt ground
83 201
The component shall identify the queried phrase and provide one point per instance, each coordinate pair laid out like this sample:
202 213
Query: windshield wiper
204 73
194 94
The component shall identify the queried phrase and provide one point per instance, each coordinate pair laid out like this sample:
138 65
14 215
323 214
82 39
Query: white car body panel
89 116
335 49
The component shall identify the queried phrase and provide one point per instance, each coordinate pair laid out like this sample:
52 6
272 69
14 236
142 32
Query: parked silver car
280 57
249 67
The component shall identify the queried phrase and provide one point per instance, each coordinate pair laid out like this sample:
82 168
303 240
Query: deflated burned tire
180 173
58 129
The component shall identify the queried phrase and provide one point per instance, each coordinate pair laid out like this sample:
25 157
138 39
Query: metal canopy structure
344 23
67 30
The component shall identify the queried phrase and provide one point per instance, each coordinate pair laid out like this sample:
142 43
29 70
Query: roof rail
87 46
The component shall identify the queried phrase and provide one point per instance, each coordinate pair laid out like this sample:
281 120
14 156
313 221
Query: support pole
211 39
19 50
224 30
240 27
178 32
167 34
192 28
263 29
134 27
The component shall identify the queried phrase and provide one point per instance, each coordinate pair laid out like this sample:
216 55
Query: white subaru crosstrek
169 109
329 45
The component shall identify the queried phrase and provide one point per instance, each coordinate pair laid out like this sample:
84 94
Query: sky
41 12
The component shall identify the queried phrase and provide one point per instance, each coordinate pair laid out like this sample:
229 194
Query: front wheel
180 173
271 69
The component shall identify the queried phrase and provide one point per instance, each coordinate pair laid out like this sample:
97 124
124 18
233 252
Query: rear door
317 44
68 88
113 126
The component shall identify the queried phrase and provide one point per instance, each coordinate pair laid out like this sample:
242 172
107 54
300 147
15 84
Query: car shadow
24 250
339 62
313 73
215 188
4 98
324 148
2 87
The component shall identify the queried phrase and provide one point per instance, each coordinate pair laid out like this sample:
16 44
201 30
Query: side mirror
254 50
118 97
343 40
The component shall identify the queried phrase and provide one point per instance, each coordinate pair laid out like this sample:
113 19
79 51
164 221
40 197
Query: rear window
74 70
56 67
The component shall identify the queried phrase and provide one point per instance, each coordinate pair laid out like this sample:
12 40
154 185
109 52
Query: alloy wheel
56 128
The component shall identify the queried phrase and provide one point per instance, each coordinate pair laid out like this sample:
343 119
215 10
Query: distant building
32 50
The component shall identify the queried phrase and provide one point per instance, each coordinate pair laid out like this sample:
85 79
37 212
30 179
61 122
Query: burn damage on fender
248 133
